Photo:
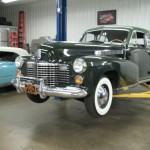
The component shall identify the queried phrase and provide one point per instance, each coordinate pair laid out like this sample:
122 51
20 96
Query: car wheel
37 98
99 103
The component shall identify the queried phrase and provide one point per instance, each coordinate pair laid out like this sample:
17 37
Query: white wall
82 14
40 18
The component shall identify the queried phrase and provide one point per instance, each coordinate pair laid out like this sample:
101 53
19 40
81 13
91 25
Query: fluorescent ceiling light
8 1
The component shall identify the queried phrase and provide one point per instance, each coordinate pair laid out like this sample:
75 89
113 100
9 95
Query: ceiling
18 2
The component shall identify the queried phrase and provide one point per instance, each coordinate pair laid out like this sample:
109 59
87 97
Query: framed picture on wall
106 17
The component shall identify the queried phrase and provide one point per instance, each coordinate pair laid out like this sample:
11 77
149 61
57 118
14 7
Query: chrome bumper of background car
43 91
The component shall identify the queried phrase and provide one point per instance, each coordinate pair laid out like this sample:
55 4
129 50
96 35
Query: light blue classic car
7 64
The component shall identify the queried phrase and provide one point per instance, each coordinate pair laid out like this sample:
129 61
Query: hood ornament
38 54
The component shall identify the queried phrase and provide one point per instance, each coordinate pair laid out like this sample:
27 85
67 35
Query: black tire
36 98
99 103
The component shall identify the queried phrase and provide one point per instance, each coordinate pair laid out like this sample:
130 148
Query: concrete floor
56 125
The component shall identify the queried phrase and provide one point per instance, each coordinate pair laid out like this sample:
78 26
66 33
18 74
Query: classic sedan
8 68
107 59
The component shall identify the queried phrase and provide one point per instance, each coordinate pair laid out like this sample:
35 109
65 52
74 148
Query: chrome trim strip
66 92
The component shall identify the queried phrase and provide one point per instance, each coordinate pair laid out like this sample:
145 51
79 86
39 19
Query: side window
137 40
147 40
140 39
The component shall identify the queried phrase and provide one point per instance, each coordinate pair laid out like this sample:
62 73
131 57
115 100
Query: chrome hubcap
102 96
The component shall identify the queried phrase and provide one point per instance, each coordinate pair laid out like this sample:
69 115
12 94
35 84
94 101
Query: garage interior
65 125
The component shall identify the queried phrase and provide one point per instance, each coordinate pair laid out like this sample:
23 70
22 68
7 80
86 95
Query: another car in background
7 63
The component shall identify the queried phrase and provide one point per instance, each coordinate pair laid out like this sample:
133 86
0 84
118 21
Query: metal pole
61 12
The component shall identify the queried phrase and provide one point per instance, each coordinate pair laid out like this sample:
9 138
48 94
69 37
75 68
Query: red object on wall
13 39
21 29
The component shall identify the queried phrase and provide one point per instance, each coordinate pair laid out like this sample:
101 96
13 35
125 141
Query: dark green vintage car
107 59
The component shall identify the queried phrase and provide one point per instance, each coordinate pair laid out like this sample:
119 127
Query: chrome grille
31 71
49 71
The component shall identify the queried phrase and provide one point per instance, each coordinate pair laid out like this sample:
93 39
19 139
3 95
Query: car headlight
79 65
19 61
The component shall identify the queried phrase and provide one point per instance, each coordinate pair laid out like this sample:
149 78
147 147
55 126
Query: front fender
127 71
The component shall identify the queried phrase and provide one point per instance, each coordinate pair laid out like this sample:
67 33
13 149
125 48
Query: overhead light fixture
8 1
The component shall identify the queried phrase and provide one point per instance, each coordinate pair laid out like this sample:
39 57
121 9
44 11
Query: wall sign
106 17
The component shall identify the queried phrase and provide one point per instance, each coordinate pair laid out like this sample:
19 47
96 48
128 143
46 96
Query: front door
139 54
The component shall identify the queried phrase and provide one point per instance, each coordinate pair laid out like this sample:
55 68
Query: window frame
136 44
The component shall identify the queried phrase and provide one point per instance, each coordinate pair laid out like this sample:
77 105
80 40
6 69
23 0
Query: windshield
106 36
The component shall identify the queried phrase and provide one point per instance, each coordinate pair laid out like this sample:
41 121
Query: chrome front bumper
44 91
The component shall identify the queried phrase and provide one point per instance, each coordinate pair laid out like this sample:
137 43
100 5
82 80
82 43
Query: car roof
130 28
16 50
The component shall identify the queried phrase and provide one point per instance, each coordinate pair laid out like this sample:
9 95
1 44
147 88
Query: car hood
63 50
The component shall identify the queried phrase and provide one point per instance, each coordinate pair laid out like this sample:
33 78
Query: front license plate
30 88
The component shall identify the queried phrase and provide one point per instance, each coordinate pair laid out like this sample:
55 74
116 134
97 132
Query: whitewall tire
99 103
